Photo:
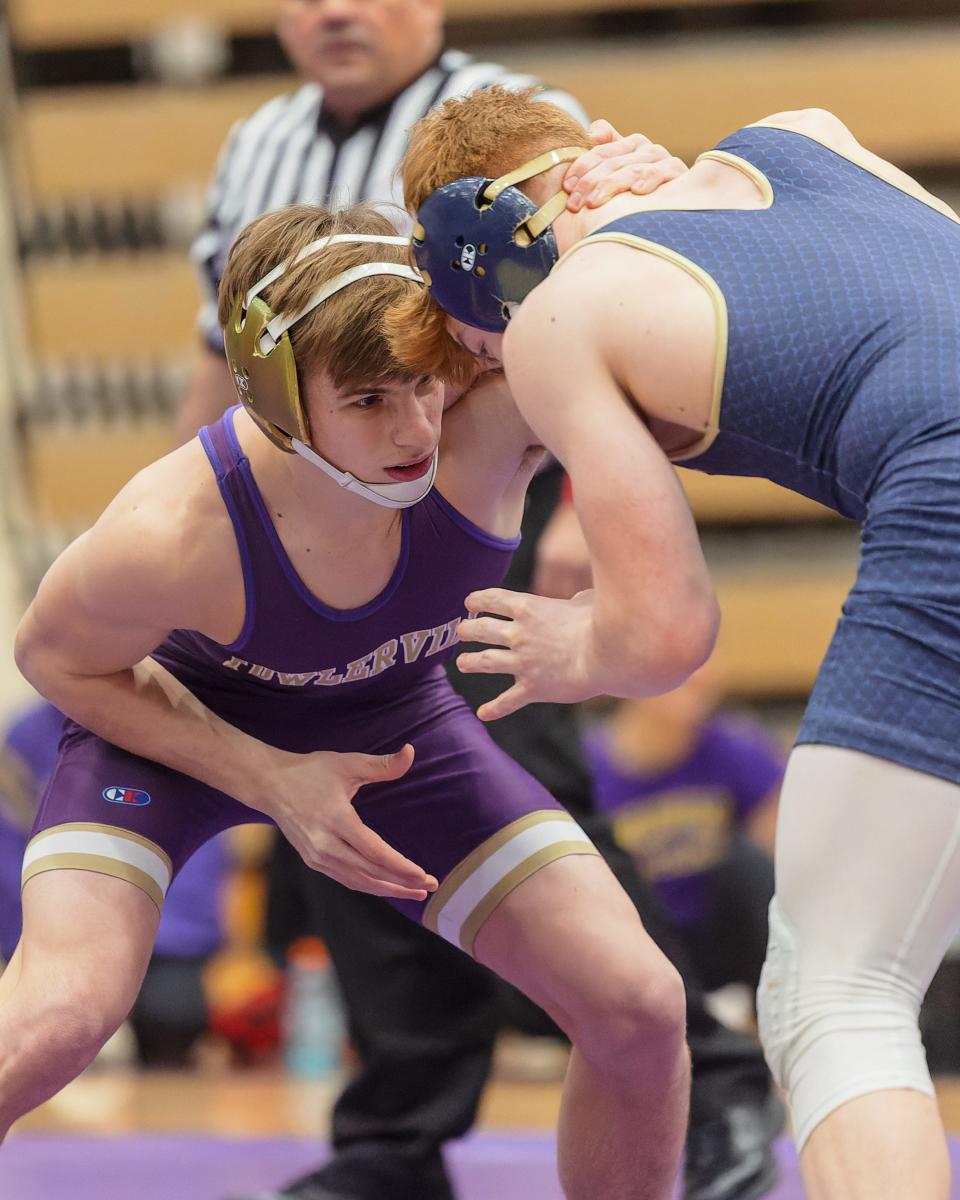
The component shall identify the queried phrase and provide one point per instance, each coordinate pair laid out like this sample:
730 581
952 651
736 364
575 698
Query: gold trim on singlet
91 858
754 174
935 203
522 871
104 827
712 288
465 868
99 864
486 902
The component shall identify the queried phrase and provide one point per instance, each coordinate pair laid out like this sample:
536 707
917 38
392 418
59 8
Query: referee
422 1015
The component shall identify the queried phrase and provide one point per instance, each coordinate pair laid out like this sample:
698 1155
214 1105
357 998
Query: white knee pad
835 1030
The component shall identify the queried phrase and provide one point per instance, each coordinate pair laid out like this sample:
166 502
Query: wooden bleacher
53 23
41 24
139 140
730 500
688 93
777 624
131 140
127 306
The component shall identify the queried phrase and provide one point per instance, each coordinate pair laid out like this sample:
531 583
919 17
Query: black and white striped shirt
287 153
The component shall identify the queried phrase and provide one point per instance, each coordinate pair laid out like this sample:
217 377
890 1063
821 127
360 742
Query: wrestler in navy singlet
305 677
838 309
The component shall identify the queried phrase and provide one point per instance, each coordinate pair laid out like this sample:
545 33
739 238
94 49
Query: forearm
147 711
637 647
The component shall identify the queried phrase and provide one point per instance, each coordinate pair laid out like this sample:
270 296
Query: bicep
636 520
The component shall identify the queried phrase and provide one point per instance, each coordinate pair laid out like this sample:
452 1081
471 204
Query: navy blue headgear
482 245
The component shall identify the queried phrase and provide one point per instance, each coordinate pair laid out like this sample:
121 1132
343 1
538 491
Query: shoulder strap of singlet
243 506
228 461
214 440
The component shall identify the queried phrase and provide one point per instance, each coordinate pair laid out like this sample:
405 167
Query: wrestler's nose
418 421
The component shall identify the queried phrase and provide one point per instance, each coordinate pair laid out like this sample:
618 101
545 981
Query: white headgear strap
388 495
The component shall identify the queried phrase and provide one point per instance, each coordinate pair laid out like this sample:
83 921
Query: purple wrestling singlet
306 677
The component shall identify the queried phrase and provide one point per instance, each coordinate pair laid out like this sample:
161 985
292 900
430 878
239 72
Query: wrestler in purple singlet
305 677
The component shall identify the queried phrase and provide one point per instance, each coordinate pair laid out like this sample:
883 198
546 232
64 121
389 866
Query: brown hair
344 336
487 134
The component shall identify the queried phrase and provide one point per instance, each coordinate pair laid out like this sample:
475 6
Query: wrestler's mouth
407 471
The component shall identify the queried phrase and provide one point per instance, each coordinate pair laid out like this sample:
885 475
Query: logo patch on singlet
123 795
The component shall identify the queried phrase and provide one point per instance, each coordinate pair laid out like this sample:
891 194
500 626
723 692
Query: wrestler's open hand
618 164
543 643
315 813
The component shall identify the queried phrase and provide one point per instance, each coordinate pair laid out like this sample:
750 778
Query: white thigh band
105 849
474 888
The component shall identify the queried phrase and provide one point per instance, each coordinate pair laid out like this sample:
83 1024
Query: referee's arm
208 394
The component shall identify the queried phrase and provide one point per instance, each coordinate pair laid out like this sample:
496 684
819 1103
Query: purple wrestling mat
507 1166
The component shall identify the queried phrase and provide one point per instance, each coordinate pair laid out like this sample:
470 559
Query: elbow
24 651
30 656
655 653
703 624
681 647
27 655
685 643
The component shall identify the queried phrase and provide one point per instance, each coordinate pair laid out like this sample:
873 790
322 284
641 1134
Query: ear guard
266 383
482 245
261 359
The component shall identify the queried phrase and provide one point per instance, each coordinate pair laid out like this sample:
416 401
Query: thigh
472 817
570 939
867 864
396 976
890 682
87 940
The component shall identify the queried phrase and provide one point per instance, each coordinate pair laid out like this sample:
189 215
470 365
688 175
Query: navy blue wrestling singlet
838 309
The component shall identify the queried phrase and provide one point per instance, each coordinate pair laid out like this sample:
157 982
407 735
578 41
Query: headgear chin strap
265 374
482 245
389 495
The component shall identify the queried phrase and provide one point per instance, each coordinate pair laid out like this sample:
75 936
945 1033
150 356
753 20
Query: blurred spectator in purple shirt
692 794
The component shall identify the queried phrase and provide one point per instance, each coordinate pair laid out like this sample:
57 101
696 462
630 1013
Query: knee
65 1024
633 1015
822 1019
788 1011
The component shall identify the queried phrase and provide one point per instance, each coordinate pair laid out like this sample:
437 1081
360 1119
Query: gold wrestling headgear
264 371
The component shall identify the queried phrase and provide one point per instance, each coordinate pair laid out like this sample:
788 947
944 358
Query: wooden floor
251 1104
265 1103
